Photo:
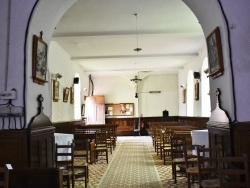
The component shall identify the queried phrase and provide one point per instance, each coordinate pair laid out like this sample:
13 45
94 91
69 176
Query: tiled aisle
98 170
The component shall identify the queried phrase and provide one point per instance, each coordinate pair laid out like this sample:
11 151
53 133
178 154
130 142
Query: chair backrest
30 177
101 138
65 156
166 137
208 162
234 169
190 154
81 149
177 143
4 173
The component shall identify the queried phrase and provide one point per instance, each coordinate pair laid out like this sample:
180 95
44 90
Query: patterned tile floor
98 170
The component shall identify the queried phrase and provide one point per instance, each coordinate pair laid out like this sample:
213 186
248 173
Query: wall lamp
55 76
183 87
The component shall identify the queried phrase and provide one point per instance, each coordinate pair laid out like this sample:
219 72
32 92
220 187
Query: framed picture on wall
66 94
83 109
196 91
215 58
184 96
72 95
39 60
55 90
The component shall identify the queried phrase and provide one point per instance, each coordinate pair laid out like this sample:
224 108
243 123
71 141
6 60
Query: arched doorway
62 14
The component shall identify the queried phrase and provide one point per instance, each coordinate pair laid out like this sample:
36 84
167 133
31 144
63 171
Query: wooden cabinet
95 109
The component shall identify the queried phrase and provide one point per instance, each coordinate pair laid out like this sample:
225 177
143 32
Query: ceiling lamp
136 79
136 49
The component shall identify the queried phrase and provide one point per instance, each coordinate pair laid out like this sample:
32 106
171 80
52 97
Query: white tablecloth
200 137
63 139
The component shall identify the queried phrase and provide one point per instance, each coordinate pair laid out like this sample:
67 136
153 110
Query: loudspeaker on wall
76 80
196 75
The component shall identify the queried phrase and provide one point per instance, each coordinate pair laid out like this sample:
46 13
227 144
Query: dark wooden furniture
4 177
31 147
126 124
177 144
239 177
81 156
208 167
101 147
65 160
29 177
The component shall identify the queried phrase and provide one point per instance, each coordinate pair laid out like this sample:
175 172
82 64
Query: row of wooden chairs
208 165
190 158
105 139
213 170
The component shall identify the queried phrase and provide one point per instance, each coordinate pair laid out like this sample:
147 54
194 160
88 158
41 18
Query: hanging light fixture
136 79
137 49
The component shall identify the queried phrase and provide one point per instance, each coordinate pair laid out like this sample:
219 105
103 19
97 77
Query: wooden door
95 109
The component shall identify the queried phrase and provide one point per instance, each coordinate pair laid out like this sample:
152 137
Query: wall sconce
55 76
196 91
183 87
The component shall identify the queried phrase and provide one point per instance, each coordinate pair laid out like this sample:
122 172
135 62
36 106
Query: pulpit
30 147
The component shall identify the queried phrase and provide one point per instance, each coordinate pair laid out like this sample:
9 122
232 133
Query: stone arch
47 14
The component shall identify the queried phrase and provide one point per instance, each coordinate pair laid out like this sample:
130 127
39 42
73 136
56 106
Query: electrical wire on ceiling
137 49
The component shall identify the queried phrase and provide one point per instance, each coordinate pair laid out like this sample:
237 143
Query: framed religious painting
66 94
196 90
184 92
39 60
55 90
215 58
72 95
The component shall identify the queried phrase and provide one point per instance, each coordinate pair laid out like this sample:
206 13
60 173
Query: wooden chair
158 141
81 158
64 159
110 141
166 147
111 137
4 173
101 148
208 167
35 177
234 172
177 155
191 161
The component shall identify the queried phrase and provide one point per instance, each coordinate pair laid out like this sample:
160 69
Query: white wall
60 62
116 89
153 104
195 65
122 90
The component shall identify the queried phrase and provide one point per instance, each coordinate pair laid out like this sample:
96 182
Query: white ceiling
100 35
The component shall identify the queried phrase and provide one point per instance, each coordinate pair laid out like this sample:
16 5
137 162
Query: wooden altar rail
126 124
